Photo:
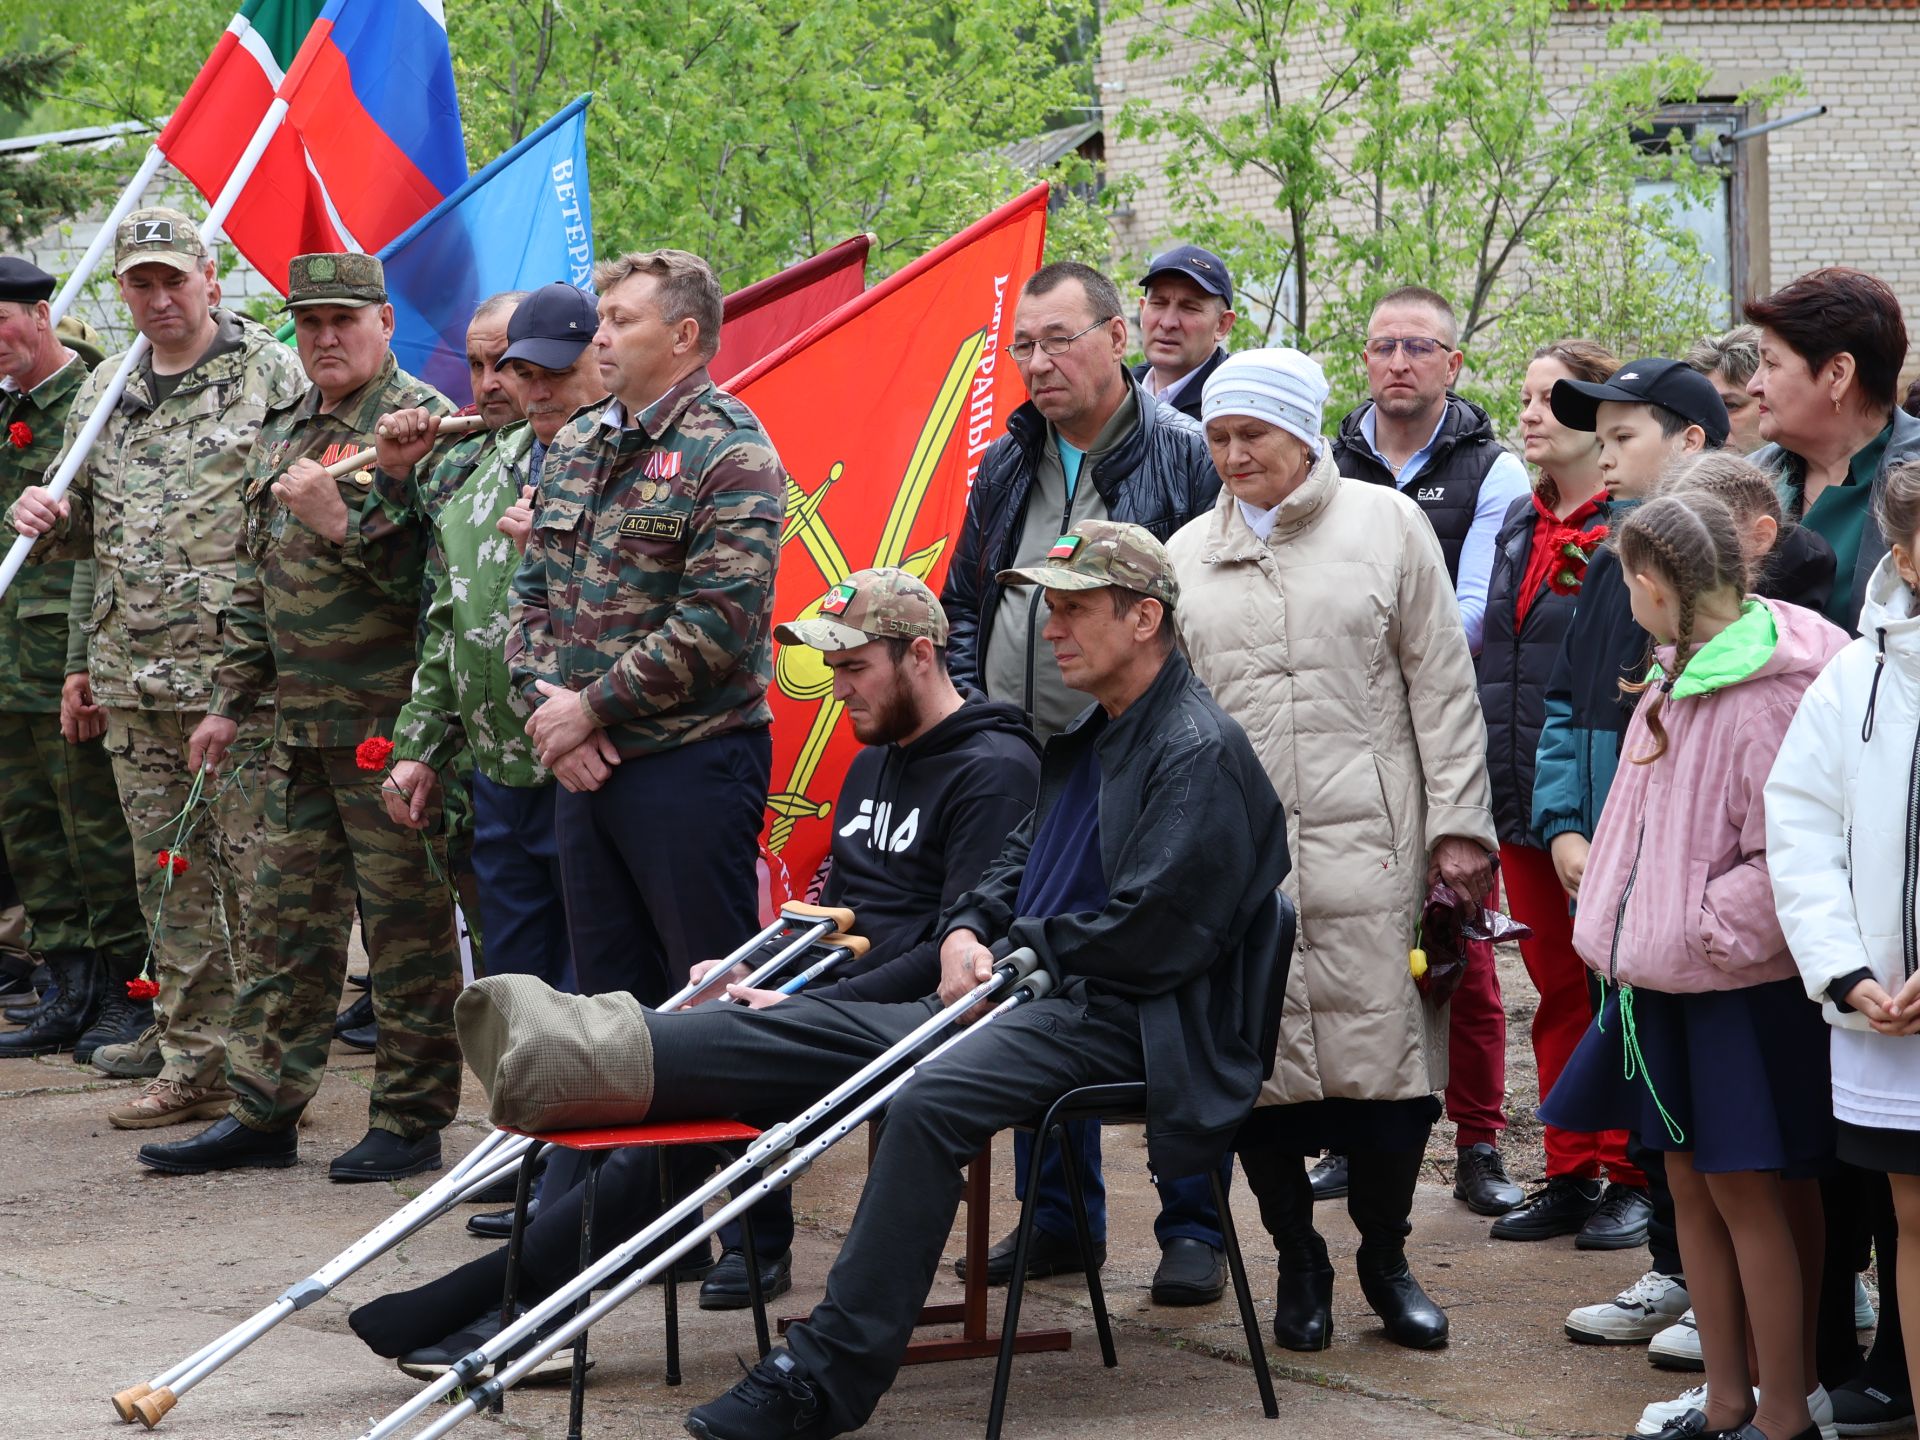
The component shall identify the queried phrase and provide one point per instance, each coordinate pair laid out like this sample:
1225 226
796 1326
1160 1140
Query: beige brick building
1843 188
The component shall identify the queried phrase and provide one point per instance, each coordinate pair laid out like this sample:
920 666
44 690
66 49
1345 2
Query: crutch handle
841 916
1039 984
854 945
1019 963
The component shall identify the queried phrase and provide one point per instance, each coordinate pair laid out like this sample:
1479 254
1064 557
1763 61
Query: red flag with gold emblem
880 413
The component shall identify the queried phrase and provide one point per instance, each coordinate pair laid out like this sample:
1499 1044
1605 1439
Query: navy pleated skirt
1741 1075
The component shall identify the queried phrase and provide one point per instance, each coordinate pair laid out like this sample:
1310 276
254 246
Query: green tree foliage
1429 142
58 184
755 132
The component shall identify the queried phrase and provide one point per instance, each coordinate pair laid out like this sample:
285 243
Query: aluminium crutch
494 1156
1033 987
795 928
1015 969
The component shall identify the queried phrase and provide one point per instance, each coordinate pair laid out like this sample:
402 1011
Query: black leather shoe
497 1224
725 1287
1329 1178
1480 1179
775 1400
224 1145
1619 1222
430 1362
383 1155
1191 1272
1046 1255
1409 1315
365 1038
1303 1309
1559 1209
359 1013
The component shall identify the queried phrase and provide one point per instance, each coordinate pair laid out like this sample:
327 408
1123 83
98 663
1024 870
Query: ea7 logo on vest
1430 492
877 825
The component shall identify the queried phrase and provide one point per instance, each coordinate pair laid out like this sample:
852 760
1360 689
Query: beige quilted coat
1337 643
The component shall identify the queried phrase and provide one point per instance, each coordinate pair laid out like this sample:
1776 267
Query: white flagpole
129 197
210 232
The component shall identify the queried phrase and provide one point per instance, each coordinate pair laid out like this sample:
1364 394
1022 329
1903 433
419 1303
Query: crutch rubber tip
123 1402
149 1408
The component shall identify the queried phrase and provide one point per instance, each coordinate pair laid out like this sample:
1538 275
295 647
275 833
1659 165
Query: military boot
121 1021
60 1026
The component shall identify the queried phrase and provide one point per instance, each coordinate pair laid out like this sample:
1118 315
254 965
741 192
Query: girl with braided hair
1790 562
1706 1044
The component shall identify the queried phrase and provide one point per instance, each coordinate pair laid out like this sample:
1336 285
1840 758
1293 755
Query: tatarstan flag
372 139
880 413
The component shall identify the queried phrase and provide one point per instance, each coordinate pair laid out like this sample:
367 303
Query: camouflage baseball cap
1097 553
869 605
157 236
348 279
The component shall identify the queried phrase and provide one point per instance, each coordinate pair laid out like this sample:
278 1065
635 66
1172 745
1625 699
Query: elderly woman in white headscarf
1319 612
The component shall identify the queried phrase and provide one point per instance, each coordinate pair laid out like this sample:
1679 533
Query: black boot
1380 1203
61 1024
121 1021
1303 1293
33 1009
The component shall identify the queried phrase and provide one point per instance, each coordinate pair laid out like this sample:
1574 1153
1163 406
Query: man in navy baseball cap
1185 315
552 326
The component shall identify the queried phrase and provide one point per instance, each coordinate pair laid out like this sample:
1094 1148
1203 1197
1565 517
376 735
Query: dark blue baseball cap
552 326
1671 384
1203 267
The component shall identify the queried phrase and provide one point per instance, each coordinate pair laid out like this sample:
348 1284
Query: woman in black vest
1538 563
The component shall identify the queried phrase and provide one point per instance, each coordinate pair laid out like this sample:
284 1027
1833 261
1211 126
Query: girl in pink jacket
1707 1047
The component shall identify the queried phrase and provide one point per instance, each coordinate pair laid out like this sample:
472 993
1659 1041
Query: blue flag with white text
520 223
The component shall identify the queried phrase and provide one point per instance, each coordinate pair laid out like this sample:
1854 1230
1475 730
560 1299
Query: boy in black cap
1186 315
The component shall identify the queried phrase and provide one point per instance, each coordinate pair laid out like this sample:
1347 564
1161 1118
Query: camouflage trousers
328 842
197 918
67 845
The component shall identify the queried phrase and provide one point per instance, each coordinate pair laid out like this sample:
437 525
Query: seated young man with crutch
1156 842
925 808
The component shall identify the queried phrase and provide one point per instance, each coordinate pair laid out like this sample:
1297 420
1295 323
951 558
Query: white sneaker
1640 1312
1678 1346
1864 1317
1662 1413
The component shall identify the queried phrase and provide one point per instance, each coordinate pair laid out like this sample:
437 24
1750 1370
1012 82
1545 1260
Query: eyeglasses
1022 350
1418 347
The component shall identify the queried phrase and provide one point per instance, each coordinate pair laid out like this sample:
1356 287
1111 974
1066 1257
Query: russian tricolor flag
372 138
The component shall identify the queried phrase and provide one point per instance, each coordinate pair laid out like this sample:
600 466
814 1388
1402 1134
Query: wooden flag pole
449 425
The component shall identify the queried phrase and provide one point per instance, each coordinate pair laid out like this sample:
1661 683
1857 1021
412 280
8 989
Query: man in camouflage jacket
66 841
640 632
462 687
325 613
157 507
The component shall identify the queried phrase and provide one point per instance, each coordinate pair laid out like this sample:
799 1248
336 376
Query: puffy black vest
1448 486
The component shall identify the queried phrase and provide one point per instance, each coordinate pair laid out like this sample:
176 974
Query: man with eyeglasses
1440 451
1090 444
1437 448
1186 314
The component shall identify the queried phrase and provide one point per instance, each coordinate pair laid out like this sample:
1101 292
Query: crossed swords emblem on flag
800 672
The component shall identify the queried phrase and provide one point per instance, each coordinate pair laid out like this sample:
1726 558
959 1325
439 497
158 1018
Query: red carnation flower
142 989
19 435
373 753
173 860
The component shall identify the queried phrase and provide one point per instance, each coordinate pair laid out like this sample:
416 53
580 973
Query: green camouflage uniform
65 838
334 628
462 688
648 583
157 508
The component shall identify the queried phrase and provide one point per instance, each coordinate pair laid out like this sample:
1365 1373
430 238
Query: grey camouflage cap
158 235
347 279
1097 553
869 605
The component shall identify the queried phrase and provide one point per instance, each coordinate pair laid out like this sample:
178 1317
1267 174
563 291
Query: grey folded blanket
556 1062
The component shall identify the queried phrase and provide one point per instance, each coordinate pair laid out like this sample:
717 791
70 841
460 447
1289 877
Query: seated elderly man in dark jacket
1091 444
1156 842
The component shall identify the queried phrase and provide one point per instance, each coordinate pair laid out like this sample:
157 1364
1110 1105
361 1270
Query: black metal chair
1127 1103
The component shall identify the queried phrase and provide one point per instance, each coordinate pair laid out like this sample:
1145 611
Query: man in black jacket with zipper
1091 444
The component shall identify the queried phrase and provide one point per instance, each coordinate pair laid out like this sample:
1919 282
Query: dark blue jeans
517 863
1186 1204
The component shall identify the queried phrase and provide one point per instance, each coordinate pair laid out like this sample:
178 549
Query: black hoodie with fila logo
915 828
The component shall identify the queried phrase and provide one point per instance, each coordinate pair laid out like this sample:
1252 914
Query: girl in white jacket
1843 850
